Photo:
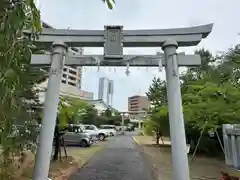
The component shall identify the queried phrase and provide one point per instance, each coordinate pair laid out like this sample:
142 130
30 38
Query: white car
111 129
94 131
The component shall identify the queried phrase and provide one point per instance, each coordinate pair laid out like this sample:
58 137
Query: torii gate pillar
44 149
139 124
177 129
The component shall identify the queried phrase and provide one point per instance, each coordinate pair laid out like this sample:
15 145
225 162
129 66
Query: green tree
70 111
157 92
209 91
17 90
111 117
108 112
15 75
90 117
157 123
100 120
210 97
126 121
116 120
109 3
158 119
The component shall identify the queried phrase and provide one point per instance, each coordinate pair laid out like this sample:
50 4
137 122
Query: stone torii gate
127 113
113 39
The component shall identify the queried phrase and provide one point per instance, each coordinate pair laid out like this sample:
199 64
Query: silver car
111 129
75 135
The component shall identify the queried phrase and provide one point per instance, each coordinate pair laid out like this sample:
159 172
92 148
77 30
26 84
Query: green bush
208 145
148 127
141 134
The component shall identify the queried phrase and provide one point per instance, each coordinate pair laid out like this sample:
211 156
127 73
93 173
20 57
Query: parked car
118 128
131 128
111 129
94 131
76 135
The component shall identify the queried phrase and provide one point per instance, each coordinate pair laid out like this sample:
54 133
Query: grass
61 170
160 157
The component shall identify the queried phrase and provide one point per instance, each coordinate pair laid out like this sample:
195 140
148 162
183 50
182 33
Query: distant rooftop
45 25
135 96
100 101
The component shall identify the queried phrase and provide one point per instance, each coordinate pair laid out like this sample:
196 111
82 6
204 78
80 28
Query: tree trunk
56 149
157 139
56 143
158 136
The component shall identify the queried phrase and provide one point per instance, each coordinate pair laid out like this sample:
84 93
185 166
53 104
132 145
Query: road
121 160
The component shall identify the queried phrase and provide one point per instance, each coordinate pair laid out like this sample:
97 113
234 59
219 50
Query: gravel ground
200 168
121 160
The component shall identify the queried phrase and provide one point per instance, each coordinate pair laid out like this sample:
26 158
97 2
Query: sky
143 14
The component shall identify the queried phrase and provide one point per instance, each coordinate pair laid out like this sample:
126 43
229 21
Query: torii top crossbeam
190 36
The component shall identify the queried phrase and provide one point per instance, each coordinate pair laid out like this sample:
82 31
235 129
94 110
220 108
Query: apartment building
137 105
72 76
71 79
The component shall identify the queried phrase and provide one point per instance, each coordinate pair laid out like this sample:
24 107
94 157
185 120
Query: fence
231 139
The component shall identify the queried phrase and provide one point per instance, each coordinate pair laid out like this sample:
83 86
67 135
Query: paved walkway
120 161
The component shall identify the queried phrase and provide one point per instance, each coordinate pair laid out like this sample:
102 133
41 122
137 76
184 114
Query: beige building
137 104
72 76
71 79
65 90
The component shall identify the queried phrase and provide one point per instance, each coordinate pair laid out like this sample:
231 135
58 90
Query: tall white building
110 91
105 90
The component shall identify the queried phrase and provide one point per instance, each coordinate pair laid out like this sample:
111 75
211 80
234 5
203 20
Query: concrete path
120 161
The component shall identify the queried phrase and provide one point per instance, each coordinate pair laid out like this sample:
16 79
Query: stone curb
136 141
147 159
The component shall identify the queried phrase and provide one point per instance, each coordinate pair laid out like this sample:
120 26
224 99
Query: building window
70 83
134 97
72 78
74 67
134 100
64 75
64 81
64 69
134 104
72 72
